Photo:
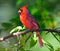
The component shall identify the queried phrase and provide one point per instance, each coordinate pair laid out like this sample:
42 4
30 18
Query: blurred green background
46 12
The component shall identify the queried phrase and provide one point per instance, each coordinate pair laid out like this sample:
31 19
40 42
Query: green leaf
49 46
18 28
2 48
58 49
32 42
22 49
6 25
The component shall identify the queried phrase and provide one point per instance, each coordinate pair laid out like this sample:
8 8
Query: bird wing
32 20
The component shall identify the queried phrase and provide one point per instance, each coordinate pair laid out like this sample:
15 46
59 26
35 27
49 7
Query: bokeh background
46 12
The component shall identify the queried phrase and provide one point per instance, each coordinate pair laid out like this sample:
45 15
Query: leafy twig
26 31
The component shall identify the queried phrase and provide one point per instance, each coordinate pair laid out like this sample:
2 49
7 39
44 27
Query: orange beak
19 11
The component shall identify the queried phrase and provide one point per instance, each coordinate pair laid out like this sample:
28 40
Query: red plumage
29 21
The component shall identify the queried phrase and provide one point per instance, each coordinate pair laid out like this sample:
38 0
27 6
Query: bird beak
19 11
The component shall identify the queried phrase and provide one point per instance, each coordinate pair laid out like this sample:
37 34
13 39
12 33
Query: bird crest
25 6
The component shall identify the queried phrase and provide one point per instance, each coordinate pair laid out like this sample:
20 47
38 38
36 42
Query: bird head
22 9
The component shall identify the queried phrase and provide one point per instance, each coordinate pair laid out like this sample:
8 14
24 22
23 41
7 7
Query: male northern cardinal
29 21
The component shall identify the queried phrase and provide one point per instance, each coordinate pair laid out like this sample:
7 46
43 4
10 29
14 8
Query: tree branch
26 31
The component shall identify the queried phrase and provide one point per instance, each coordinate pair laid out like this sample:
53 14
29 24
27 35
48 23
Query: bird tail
39 38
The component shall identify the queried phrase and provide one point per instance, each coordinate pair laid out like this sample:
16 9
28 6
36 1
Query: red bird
29 21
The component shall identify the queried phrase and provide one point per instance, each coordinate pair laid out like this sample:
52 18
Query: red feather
29 21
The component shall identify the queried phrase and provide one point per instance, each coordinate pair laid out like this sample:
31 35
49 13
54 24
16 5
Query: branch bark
26 31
